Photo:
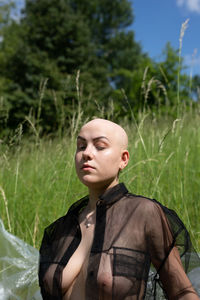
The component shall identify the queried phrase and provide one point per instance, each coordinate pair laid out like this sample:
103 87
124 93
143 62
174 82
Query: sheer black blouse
131 232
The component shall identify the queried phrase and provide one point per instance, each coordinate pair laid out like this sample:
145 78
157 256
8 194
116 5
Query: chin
99 184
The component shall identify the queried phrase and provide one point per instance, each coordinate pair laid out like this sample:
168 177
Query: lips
87 167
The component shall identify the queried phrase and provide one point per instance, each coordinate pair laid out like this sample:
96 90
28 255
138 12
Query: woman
103 247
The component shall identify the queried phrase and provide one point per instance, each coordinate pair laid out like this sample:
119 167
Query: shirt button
99 202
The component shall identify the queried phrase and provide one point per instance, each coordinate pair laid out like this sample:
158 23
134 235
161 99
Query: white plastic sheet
194 277
18 268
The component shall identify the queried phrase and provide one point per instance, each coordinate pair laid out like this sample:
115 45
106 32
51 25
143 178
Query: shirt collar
113 194
109 197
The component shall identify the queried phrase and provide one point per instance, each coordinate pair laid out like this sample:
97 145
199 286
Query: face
99 156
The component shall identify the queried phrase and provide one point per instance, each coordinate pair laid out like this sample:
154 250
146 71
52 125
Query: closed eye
81 147
100 147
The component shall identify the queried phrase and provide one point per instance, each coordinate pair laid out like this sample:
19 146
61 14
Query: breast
104 282
77 289
72 269
118 275
77 265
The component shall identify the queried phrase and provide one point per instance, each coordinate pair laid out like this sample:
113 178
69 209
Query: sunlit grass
39 183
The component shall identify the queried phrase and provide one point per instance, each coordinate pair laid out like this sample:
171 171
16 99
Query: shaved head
101 154
114 130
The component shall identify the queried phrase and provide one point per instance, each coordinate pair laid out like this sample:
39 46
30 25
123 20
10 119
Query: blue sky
159 21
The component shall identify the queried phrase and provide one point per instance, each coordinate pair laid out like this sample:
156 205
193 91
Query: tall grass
38 181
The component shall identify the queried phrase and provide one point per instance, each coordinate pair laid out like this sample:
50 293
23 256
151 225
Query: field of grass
38 181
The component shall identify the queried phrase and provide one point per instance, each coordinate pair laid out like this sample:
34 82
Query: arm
172 275
174 279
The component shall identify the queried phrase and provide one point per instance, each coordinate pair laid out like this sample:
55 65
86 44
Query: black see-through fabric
131 233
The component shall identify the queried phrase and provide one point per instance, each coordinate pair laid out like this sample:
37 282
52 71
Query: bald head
101 154
115 131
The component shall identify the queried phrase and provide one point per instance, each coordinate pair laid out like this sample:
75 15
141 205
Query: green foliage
57 39
195 87
53 41
39 180
170 67
153 85
5 11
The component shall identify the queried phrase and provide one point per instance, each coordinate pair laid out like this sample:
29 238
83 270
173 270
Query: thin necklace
88 220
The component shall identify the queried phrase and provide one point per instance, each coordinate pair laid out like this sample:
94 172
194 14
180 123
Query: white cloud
190 5
180 2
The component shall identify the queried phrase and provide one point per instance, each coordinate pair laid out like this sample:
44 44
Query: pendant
87 225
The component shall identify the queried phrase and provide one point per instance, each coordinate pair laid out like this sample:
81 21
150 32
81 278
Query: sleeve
45 265
168 239
50 261
58 243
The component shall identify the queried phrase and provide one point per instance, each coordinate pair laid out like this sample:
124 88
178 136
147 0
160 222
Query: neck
94 194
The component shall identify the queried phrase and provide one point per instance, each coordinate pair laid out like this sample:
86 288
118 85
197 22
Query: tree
55 39
195 87
153 84
5 11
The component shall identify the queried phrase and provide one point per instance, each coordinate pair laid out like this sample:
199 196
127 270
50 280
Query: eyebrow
95 139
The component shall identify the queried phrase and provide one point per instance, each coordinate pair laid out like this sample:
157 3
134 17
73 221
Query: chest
109 259
77 264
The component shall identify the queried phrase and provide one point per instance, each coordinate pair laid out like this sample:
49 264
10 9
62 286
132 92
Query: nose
87 153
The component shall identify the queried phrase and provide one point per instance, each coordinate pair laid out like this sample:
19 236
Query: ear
124 159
